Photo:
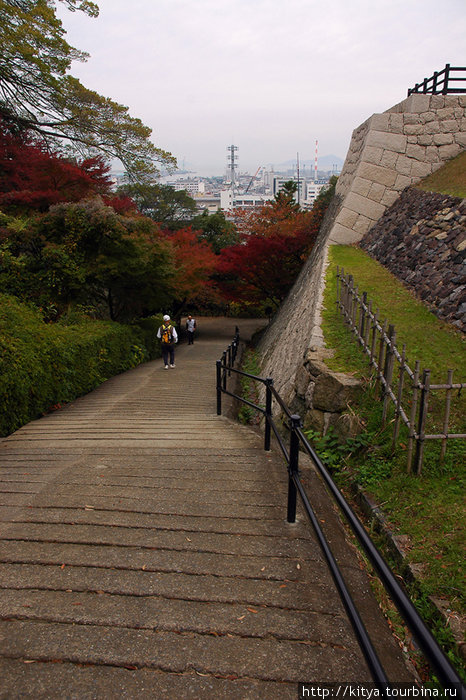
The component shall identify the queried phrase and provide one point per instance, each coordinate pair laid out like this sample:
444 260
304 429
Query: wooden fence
449 81
407 389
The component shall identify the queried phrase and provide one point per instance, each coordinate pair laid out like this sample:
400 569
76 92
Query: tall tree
216 230
161 203
37 93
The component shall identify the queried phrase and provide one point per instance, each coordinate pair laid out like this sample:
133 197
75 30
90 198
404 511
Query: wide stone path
144 551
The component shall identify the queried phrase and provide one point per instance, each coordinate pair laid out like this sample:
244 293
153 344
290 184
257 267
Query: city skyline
268 76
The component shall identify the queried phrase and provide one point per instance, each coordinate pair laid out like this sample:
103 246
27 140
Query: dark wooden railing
449 81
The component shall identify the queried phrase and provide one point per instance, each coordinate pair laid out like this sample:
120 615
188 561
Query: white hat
166 317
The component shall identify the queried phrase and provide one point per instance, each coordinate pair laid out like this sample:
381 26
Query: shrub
42 365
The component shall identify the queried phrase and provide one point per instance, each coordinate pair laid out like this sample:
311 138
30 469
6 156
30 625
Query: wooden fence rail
449 81
405 388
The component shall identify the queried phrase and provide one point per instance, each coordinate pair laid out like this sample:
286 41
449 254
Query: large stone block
403 165
376 192
391 142
302 381
389 198
361 186
377 173
347 218
373 155
416 151
402 181
364 206
335 391
396 123
460 139
432 154
362 225
413 129
420 169
432 127
448 152
379 122
388 161
418 103
442 139
450 126
428 117
425 140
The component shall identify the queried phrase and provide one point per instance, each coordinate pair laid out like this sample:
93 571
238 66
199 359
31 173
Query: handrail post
293 467
224 368
268 412
219 387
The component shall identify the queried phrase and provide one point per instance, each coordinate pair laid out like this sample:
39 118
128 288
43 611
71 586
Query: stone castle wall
391 151
388 153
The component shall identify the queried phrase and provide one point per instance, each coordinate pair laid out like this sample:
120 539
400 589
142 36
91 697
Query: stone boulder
335 391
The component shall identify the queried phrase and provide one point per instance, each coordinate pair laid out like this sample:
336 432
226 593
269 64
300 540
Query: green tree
285 197
86 253
216 230
37 93
161 203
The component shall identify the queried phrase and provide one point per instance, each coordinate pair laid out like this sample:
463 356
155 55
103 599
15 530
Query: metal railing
445 672
444 82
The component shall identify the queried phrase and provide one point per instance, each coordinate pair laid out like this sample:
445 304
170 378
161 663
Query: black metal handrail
441 83
447 675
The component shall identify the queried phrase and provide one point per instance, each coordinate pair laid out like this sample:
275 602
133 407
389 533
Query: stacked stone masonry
392 151
421 239
388 154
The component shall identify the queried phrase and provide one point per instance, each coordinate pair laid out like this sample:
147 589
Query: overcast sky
270 76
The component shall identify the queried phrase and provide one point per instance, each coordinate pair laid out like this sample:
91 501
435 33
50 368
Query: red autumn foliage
275 242
32 177
194 262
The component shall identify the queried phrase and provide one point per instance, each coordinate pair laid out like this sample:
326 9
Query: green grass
449 179
429 508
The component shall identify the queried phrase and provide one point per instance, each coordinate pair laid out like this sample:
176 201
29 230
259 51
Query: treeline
86 271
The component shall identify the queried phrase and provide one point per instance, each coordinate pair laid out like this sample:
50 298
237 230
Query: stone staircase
145 553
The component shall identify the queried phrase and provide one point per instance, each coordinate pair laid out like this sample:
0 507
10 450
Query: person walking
168 335
190 327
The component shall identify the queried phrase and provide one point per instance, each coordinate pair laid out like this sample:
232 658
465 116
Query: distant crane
253 178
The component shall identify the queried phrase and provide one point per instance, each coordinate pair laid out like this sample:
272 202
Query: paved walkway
144 551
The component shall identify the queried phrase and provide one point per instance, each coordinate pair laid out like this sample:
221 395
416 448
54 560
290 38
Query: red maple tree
33 177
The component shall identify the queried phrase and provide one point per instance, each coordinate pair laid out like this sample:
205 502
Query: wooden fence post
422 421
412 417
388 371
381 355
447 415
396 427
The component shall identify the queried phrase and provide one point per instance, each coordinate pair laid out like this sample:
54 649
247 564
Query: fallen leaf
283 585
252 610
298 566
29 661
62 566
241 618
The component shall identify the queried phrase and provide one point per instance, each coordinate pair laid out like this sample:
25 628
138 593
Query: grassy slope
450 179
428 509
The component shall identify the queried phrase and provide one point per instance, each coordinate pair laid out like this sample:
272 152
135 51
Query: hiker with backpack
168 335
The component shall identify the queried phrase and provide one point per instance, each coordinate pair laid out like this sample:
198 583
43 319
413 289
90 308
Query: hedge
42 365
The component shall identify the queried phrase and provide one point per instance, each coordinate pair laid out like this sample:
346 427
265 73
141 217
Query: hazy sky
270 76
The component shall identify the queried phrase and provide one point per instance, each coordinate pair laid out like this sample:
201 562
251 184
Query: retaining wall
392 151
421 239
